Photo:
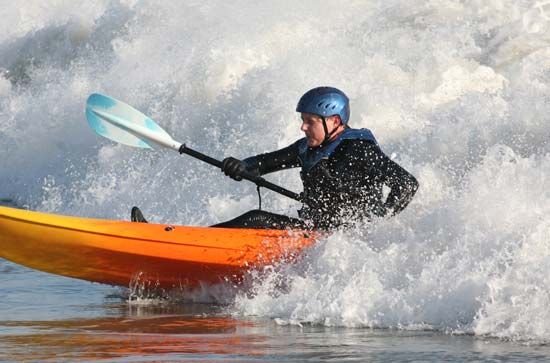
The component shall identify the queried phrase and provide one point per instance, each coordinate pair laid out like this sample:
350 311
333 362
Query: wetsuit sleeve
403 185
274 161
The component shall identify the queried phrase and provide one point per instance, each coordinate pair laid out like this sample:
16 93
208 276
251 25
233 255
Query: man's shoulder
355 150
350 145
358 134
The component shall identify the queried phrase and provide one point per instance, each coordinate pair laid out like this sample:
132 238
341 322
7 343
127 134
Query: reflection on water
198 332
121 337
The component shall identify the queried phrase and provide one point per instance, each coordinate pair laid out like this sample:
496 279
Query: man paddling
343 170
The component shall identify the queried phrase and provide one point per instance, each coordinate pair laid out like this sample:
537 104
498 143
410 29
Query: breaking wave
457 92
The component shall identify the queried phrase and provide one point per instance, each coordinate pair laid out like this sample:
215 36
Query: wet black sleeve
403 185
274 161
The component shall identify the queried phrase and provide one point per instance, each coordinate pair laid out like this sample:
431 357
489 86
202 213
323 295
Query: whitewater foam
458 93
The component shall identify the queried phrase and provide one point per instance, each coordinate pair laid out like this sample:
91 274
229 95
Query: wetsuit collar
309 157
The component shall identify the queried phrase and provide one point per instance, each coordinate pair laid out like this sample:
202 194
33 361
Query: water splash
458 93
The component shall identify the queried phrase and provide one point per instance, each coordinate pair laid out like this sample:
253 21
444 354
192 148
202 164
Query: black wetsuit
342 188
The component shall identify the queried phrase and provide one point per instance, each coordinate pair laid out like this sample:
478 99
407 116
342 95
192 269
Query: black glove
233 168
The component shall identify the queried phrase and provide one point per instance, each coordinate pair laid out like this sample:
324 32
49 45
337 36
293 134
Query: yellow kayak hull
117 252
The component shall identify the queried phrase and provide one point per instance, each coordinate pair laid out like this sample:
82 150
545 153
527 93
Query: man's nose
303 127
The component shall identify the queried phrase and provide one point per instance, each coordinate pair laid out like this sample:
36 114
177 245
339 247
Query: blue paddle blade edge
107 105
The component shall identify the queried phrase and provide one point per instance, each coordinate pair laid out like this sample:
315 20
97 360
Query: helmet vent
320 104
327 105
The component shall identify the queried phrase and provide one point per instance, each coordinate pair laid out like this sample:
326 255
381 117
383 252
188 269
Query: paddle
124 124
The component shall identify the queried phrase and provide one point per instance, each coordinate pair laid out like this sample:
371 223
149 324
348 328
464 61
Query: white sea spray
457 92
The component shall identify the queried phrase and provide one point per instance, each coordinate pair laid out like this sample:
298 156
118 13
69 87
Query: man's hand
233 168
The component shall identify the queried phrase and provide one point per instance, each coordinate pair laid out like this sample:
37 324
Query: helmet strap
328 135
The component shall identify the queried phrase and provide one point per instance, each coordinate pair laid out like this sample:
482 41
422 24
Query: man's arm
403 185
274 161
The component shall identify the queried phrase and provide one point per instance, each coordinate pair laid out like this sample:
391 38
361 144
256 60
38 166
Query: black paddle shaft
259 181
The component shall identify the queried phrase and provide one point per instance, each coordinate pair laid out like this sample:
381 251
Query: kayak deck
115 252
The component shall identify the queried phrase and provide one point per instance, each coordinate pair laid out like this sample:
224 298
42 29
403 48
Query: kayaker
343 170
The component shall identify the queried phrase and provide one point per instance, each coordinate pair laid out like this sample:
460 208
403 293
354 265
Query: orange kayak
118 252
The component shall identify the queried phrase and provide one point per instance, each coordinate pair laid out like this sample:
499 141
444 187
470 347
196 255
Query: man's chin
313 144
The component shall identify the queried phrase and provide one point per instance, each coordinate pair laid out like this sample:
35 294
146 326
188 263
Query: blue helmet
325 101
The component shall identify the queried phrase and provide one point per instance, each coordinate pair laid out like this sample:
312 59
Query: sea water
458 93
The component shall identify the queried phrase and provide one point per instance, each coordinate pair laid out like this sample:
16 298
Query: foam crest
458 93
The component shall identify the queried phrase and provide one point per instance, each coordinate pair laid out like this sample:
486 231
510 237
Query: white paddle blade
124 124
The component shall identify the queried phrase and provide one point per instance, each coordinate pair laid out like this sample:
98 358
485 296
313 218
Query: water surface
60 319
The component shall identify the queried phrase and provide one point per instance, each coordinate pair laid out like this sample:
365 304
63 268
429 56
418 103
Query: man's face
312 126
